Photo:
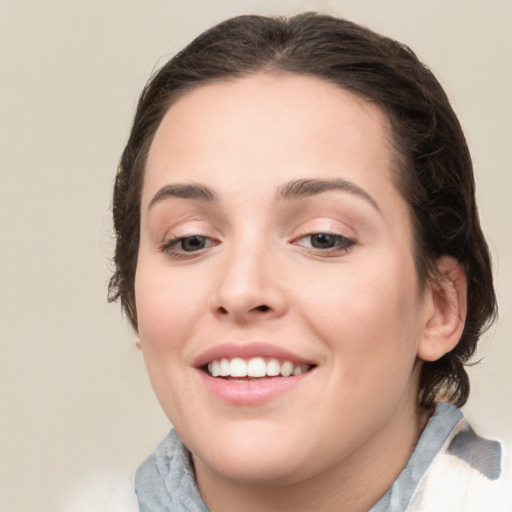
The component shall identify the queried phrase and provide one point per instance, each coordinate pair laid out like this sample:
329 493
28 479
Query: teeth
224 367
255 367
238 367
215 368
273 368
286 369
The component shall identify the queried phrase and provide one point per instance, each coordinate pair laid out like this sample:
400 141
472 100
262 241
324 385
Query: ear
447 315
138 344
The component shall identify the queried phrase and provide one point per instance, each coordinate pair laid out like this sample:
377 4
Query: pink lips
249 391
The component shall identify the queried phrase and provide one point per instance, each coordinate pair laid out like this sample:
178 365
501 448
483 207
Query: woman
299 251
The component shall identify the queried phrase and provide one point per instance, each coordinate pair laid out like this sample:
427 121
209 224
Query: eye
325 242
185 246
192 243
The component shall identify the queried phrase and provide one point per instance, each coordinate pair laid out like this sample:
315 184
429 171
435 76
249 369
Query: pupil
192 243
322 241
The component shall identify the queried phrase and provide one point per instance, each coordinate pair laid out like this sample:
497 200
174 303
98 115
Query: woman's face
273 239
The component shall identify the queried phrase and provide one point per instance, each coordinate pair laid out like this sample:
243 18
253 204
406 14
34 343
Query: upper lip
247 351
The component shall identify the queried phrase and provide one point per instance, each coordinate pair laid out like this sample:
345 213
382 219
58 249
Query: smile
255 367
251 374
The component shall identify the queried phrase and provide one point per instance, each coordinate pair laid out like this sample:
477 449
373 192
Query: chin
263 470
261 458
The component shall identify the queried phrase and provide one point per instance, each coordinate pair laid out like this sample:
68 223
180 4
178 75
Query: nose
248 286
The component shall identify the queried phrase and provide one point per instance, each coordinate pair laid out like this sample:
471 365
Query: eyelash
170 246
174 246
342 244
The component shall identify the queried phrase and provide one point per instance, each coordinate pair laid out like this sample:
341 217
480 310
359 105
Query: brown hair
434 169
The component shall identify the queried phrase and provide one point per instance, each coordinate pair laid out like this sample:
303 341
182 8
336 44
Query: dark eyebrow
184 191
310 187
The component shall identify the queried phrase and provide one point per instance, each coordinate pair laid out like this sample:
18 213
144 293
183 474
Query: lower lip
250 392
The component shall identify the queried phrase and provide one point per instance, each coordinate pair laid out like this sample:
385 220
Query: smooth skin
242 259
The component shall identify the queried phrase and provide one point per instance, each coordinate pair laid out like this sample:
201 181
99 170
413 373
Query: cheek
166 307
370 313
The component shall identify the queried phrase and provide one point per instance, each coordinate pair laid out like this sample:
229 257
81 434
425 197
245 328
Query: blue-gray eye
325 242
192 243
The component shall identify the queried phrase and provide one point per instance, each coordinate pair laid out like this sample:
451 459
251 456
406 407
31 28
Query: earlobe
138 344
447 315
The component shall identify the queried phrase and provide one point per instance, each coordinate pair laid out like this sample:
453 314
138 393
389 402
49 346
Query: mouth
254 368
251 374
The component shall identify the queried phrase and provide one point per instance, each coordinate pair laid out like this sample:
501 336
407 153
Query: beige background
77 412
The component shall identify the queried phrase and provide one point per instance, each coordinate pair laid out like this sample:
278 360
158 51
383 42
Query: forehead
291 124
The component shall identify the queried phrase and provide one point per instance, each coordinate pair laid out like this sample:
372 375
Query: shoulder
122 499
469 473
103 495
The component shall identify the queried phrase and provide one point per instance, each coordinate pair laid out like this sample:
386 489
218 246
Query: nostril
240 311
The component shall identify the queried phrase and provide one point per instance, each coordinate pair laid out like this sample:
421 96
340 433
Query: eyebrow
295 189
184 191
312 187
